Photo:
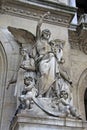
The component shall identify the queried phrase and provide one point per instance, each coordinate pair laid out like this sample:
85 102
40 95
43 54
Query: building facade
66 22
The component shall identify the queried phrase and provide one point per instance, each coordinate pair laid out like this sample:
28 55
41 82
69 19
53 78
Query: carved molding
63 15
82 86
3 76
32 14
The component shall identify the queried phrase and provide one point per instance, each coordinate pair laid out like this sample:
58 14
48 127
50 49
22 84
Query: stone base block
26 121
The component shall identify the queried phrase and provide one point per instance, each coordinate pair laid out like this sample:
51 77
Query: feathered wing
22 36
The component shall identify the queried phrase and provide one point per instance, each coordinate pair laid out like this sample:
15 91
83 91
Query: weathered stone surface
23 16
25 122
33 10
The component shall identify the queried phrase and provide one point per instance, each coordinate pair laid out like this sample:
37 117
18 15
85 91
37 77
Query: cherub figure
64 105
29 91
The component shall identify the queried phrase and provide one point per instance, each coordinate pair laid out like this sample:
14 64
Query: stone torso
43 47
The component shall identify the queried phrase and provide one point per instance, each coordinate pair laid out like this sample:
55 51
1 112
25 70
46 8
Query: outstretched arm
38 28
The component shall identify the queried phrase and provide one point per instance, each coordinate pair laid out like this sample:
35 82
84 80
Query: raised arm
38 28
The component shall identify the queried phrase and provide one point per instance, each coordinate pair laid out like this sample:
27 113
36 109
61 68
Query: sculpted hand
46 14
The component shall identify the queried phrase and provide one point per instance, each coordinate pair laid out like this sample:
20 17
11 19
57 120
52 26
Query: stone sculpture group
44 82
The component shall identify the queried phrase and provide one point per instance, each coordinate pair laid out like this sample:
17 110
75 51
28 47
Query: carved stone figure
45 83
45 58
28 61
29 90
64 105
26 66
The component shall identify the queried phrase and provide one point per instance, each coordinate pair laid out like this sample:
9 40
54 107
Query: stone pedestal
25 121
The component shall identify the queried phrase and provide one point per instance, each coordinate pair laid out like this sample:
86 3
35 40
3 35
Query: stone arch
9 57
82 86
3 75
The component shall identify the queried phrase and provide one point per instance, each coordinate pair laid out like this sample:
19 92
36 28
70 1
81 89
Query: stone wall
26 18
12 54
9 58
78 69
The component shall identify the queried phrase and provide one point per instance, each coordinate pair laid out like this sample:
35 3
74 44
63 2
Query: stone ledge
28 121
60 14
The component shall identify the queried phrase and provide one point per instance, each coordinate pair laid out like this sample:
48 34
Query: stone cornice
60 13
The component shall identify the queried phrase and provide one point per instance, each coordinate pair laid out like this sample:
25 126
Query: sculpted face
63 94
59 53
28 80
23 51
58 50
46 34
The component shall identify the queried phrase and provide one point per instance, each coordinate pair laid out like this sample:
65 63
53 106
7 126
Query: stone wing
22 36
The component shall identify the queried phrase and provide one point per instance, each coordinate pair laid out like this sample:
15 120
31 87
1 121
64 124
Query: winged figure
41 62
47 53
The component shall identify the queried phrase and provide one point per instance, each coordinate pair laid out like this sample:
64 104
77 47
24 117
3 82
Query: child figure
29 91
65 106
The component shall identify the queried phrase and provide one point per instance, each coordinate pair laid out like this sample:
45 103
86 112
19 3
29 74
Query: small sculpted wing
22 36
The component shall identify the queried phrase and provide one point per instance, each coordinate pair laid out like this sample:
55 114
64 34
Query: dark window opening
85 102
